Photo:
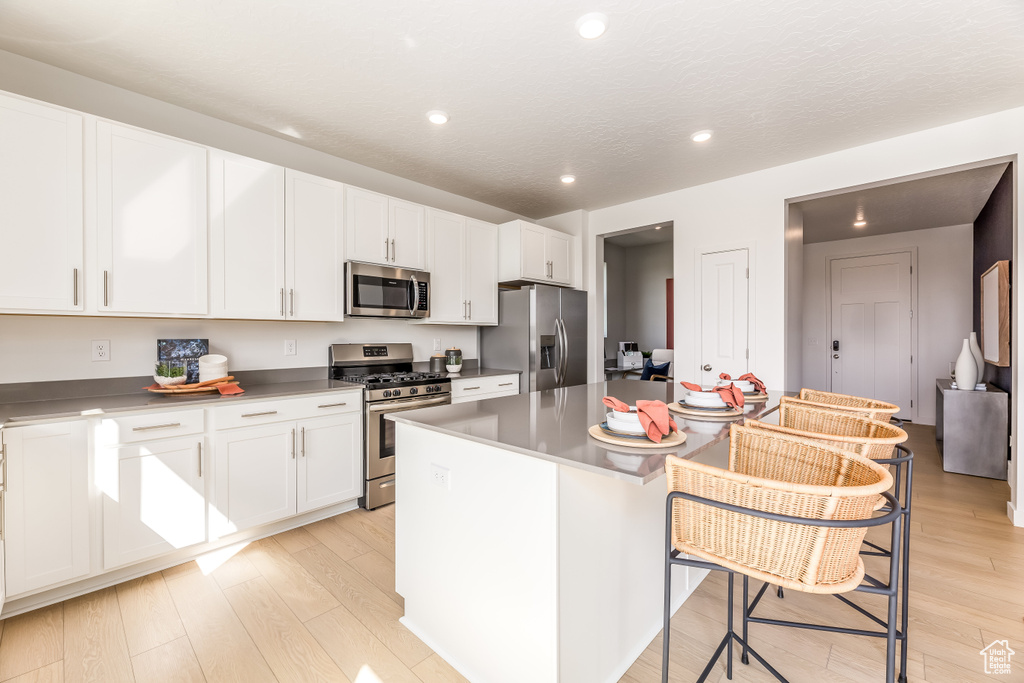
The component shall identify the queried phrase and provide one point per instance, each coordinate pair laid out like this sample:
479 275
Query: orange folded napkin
229 389
748 377
732 396
654 417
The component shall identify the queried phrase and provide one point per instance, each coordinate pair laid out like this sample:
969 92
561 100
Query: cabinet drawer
246 413
485 387
146 426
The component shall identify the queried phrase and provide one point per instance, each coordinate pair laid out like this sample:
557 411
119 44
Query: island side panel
611 573
476 560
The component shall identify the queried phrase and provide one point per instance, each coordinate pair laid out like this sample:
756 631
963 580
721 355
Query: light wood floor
318 604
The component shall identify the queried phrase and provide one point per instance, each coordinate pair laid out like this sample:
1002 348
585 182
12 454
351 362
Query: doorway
872 327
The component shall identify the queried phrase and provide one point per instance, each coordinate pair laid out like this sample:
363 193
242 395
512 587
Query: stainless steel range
385 370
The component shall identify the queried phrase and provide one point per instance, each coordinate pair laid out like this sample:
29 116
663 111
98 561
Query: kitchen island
527 550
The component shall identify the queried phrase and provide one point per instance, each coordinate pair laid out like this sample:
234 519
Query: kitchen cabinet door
247 256
46 505
366 226
156 501
481 272
534 258
314 234
254 471
407 228
41 247
559 255
151 223
448 303
330 462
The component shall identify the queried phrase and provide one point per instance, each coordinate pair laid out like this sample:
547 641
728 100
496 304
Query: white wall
615 257
944 302
43 348
750 210
647 268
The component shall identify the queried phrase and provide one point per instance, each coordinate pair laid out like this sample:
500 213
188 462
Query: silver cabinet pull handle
470 388
394 254
303 442
199 447
75 278
332 405
291 302
387 254
293 444
506 384
163 426
470 302
106 280
282 302
265 412
463 309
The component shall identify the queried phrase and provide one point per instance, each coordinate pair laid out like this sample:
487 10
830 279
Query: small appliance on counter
453 360
630 357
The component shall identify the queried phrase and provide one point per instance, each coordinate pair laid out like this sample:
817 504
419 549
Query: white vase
966 368
978 358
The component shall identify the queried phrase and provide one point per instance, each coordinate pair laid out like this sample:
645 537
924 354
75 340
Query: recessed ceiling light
437 116
568 179
859 224
701 136
657 227
592 25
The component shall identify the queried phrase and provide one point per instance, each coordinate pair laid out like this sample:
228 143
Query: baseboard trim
1014 514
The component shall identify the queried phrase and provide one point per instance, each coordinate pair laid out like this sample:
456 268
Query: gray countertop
552 425
468 372
127 394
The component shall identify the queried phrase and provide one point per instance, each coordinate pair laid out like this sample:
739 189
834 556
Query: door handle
836 356
387 254
470 309
394 253
303 451
106 281
75 277
293 444
282 302
291 302
707 367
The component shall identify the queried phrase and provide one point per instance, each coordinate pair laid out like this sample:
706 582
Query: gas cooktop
391 380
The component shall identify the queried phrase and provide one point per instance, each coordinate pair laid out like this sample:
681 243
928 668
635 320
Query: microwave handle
414 289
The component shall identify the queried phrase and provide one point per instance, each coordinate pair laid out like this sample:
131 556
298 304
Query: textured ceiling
530 100
948 199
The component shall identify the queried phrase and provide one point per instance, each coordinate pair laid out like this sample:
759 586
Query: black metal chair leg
780 592
746 615
728 654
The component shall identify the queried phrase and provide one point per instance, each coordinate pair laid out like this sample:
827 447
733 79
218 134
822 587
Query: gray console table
971 429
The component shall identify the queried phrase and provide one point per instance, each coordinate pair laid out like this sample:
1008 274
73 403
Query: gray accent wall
993 241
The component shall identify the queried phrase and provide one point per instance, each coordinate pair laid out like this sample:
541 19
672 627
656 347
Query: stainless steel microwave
373 291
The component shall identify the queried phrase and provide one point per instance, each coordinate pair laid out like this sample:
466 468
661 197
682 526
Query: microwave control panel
421 299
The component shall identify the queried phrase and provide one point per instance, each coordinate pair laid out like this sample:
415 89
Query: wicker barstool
789 511
877 410
880 441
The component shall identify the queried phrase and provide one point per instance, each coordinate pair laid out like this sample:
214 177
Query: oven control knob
387 393
414 390
396 392
429 389
437 388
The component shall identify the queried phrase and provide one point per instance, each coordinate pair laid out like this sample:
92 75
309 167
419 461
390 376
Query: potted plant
169 373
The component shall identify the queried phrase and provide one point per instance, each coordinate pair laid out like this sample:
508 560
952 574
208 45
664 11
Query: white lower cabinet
267 472
46 505
154 499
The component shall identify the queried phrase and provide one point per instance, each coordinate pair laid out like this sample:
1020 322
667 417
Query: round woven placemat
755 397
692 414
671 441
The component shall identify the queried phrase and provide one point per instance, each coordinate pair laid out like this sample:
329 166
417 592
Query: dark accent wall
993 241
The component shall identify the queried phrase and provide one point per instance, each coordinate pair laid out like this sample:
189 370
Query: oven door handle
406 404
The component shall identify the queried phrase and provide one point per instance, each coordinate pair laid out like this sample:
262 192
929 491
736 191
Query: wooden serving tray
207 387
711 416
671 441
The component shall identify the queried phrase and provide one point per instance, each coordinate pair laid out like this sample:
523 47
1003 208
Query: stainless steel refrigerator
542 331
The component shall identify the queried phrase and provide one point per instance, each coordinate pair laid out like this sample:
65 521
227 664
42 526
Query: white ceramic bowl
628 423
704 399
745 387
213 359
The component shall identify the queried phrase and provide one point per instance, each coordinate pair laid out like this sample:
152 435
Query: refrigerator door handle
563 350
565 346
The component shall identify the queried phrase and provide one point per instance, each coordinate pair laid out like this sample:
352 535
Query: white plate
626 426
745 387
704 399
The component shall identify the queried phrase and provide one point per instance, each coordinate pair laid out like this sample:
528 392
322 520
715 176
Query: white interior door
870 351
724 305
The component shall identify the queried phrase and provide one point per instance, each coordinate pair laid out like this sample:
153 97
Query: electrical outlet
441 476
100 349
289 347
437 344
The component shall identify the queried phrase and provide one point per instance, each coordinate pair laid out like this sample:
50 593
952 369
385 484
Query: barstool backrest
785 475
848 430
877 410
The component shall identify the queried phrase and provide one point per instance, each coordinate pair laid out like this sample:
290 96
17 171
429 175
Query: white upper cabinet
247 250
314 246
481 272
384 230
41 244
151 223
532 253
463 257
